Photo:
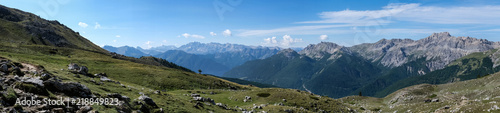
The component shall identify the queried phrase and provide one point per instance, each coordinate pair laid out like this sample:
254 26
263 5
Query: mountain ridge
380 62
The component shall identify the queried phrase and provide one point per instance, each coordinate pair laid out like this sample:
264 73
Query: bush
314 98
432 96
263 94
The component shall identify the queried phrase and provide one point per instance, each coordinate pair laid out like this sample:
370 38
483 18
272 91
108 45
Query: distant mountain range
329 69
211 58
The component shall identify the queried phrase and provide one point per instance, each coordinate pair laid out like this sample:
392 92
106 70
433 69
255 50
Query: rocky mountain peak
289 53
441 35
319 50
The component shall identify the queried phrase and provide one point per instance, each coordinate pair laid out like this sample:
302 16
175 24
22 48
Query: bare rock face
495 57
439 49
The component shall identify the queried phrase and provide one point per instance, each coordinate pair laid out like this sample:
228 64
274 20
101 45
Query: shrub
263 94
314 98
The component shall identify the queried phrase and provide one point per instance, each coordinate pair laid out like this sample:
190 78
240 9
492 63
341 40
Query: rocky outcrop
69 88
495 57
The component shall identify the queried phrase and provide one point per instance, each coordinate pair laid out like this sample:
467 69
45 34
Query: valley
44 59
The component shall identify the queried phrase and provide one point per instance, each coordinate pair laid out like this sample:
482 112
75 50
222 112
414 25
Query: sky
283 23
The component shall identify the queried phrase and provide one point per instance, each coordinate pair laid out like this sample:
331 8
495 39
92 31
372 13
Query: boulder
195 95
34 81
73 67
83 70
45 76
248 97
17 71
4 68
105 79
147 100
70 88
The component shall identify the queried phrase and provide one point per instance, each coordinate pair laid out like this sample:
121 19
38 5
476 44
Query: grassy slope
148 78
32 29
475 96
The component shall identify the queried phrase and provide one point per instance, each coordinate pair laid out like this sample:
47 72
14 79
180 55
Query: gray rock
83 70
147 100
4 67
69 88
45 76
105 79
73 67
34 81
195 95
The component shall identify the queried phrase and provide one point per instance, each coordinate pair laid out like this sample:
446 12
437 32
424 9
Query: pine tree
199 70
360 94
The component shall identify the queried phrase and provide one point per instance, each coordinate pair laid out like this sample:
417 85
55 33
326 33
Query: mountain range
337 71
211 58
42 59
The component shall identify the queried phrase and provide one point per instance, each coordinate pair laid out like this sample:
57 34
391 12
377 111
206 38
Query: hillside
474 96
146 84
21 28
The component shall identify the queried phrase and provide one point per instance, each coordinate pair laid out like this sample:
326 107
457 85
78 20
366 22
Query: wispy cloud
416 13
347 21
289 30
118 36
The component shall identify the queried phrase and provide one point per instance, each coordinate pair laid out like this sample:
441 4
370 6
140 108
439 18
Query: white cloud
118 36
81 24
186 35
288 40
227 33
148 44
97 26
271 40
165 41
323 37
114 40
213 34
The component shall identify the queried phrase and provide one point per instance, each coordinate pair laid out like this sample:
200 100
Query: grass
140 77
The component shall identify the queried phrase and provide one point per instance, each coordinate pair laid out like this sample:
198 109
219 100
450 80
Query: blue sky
283 23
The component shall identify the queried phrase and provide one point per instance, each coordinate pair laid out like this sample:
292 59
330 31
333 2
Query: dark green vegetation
342 73
334 78
466 68
166 83
244 82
